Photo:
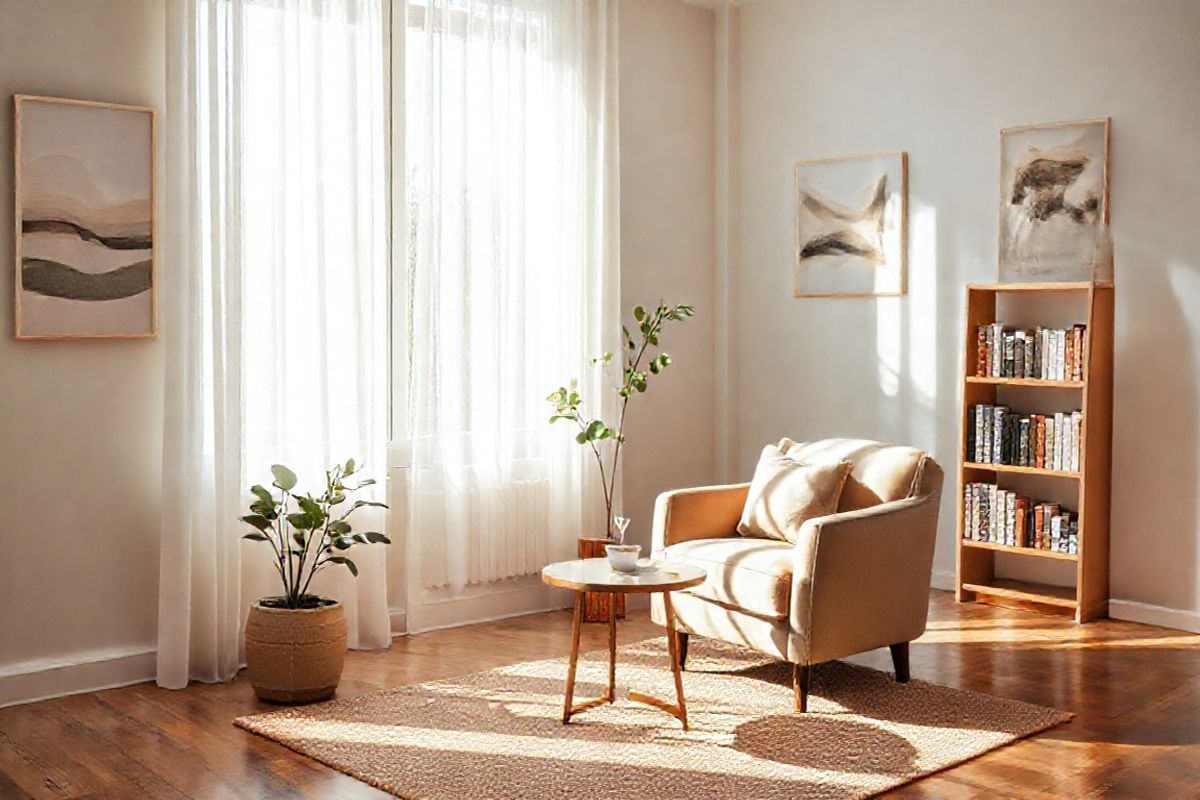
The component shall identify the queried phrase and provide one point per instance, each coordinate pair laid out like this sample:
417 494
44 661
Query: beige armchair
853 581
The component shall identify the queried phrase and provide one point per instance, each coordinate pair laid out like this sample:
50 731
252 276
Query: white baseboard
42 679
527 597
943 579
1133 611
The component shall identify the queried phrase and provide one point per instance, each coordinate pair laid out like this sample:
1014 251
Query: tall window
506 282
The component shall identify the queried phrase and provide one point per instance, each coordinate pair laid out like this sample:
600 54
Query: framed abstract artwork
85 223
851 226
1053 200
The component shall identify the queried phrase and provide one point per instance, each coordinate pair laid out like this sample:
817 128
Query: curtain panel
509 282
274 301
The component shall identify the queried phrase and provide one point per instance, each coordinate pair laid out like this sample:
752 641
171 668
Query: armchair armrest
861 578
707 512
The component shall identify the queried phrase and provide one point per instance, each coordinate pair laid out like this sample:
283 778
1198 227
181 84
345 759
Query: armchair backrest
879 472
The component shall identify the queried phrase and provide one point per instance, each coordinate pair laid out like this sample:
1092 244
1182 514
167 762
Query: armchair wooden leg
800 675
900 661
681 645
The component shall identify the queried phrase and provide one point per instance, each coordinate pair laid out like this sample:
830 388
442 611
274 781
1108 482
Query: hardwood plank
1135 690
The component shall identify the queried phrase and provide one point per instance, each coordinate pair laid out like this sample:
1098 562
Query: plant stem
633 365
604 481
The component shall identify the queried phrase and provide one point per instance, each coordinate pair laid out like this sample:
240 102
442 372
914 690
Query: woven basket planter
295 655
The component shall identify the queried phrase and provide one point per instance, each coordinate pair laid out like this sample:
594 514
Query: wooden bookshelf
977 580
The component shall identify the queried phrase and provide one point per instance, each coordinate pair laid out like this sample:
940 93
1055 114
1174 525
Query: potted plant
296 642
605 439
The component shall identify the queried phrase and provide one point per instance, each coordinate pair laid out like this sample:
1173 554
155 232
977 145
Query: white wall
667 241
939 78
80 422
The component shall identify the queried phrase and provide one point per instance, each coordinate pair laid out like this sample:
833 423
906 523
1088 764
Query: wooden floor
1135 689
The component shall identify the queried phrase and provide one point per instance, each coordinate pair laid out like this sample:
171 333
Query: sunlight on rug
497 734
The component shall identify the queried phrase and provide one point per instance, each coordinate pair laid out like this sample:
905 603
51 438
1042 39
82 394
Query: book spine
1037 352
1080 334
1059 440
976 511
1046 354
1023 442
1008 368
997 349
1039 518
1049 462
1039 453
998 515
969 451
1019 354
1011 518
998 413
985 443
1077 450
980 351
1022 512
1069 356
993 506
966 511
1054 355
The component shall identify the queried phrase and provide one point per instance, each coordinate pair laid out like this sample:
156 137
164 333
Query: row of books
1044 353
992 514
996 435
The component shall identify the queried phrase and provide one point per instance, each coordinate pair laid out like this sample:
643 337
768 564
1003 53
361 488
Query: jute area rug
497 734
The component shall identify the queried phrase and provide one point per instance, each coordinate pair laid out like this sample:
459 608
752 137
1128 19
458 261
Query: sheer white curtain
274 300
510 281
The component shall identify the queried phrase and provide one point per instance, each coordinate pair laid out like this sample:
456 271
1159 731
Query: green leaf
256 537
284 478
298 538
258 521
349 564
339 527
348 469
594 430
360 503
299 521
262 494
581 437
375 537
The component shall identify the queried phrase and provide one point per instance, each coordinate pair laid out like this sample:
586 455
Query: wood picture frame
102 223
894 250
1073 263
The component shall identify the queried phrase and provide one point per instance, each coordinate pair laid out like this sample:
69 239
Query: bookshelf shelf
1054 473
1062 286
1088 487
1027 592
1025 382
1022 551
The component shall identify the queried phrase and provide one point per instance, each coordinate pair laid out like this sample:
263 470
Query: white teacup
623 557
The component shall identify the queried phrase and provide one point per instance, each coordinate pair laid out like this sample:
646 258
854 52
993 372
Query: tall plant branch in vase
638 365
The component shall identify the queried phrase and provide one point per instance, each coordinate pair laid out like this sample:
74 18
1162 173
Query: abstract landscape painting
1053 200
851 226
85 220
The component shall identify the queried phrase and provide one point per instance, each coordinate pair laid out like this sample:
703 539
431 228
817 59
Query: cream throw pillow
786 492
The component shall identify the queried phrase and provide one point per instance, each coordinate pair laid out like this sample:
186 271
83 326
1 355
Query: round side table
595 575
